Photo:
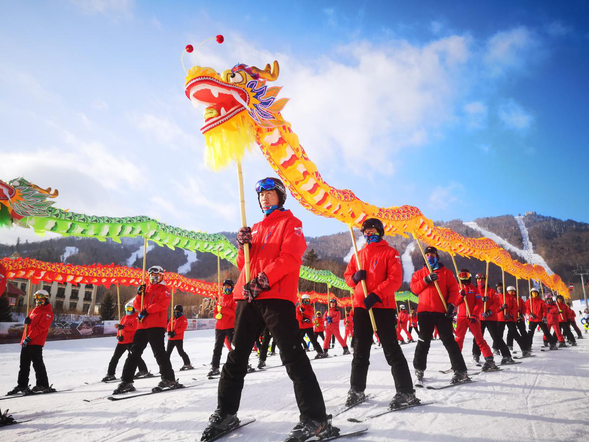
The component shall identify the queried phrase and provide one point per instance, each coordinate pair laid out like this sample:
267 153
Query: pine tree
310 258
5 315
107 308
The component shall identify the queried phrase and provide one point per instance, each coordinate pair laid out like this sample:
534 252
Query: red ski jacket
41 320
384 274
156 301
493 303
552 316
180 325
306 314
277 249
319 324
562 311
335 316
227 320
128 333
511 308
414 320
429 299
475 303
349 323
571 315
403 318
538 308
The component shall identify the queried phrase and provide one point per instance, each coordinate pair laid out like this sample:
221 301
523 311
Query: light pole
582 272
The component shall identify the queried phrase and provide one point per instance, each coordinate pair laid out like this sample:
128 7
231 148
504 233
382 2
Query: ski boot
489 364
186 367
346 351
460 377
142 374
573 343
476 358
166 384
310 428
553 346
402 400
419 375
510 347
496 352
42 389
526 353
562 345
261 364
507 360
322 355
124 387
250 369
272 353
214 372
108 377
354 397
219 422
18 389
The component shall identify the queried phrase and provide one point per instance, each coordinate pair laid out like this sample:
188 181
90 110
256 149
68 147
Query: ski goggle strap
265 184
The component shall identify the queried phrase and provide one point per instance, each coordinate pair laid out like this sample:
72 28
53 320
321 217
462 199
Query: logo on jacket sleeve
298 231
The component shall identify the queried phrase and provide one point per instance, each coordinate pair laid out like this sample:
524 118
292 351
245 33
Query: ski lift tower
582 272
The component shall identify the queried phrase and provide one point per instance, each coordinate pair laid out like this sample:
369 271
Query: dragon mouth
223 101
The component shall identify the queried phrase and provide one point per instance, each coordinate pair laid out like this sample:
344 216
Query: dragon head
23 198
238 102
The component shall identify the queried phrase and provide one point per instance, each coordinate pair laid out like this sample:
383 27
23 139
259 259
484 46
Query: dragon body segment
242 111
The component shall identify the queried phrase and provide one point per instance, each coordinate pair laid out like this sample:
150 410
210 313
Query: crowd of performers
251 314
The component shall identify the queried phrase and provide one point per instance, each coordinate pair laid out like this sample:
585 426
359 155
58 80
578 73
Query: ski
15 422
511 363
524 357
13 396
155 390
387 411
242 423
443 387
344 409
337 436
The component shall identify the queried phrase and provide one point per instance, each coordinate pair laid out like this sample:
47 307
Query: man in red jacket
536 311
332 320
276 246
125 334
152 302
469 318
507 314
553 319
319 326
432 313
349 326
563 320
176 331
305 318
225 324
382 271
33 340
402 325
573 321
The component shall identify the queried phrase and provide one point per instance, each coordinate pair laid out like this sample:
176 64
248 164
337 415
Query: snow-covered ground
545 398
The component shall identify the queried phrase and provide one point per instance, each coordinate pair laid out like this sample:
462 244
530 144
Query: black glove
252 289
360 275
431 278
302 309
27 320
120 338
244 236
142 315
485 298
306 320
533 316
487 314
472 319
370 300
141 290
450 310
544 320
504 307
171 334
26 341
462 293
507 316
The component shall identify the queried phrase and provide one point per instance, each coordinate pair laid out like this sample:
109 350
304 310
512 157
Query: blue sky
463 109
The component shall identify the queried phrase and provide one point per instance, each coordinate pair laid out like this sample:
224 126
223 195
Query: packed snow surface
546 398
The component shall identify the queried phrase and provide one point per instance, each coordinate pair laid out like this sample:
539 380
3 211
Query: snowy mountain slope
69 251
190 259
546 398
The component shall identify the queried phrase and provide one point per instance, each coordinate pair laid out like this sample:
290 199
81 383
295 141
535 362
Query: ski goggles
129 309
155 269
464 275
265 184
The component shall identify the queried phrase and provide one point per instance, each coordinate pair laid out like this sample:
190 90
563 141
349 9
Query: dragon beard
229 141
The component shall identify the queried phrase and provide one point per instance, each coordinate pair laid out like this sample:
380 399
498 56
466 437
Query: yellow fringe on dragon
241 110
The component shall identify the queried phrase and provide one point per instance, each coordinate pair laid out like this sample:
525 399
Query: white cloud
113 8
476 114
443 198
435 27
510 50
557 29
514 116
163 130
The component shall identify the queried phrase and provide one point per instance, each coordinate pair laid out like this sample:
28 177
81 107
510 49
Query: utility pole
582 272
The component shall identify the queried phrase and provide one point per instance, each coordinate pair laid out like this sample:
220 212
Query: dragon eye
235 77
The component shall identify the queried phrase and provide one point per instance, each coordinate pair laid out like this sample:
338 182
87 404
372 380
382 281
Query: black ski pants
573 324
219 343
179 345
496 336
155 338
517 330
312 338
317 334
427 322
565 329
280 318
34 354
386 324
532 329
120 349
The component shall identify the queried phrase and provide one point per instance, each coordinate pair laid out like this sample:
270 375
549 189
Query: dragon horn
268 73
47 191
